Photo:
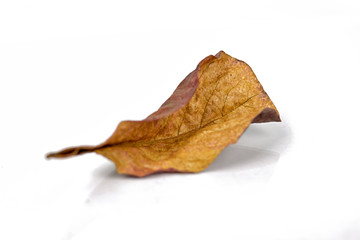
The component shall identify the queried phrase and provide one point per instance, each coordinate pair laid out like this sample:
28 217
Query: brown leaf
209 110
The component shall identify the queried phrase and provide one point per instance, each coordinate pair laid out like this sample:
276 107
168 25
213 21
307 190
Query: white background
71 70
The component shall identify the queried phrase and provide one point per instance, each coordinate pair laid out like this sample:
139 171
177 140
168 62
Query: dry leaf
209 110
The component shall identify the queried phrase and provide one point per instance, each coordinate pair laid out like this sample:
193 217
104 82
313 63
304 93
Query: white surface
71 70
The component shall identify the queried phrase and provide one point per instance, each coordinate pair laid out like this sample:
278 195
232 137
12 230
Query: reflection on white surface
238 173
267 136
238 163
249 164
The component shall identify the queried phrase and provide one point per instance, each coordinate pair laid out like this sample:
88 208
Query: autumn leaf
209 110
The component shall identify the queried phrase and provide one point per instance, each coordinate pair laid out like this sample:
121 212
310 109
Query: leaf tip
267 115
